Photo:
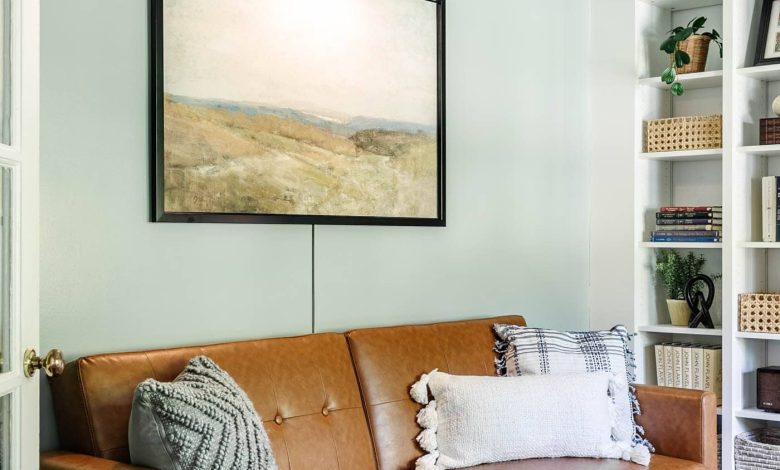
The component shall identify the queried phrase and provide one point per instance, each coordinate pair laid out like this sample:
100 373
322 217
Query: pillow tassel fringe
427 417
419 391
640 454
427 440
428 462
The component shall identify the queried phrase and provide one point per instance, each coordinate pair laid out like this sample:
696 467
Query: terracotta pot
679 312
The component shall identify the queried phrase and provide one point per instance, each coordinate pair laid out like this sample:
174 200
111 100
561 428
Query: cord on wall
312 281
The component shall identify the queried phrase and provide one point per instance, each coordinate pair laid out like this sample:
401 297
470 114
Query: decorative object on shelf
759 312
768 43
700 305
687 51
276 112
758 449
770 208
684 133
768 389
769 128
680 224
675 271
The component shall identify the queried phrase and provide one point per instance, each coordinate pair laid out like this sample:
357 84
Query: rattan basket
757 450
684 133
759 313
697 47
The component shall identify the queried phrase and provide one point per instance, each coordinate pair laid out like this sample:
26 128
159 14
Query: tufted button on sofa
340 401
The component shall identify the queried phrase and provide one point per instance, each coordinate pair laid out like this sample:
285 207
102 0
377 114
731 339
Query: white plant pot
679 312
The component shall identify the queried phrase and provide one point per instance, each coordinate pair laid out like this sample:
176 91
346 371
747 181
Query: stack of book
688 224
770 197
694 366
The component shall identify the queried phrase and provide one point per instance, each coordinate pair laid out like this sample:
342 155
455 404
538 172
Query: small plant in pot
675 270
687 51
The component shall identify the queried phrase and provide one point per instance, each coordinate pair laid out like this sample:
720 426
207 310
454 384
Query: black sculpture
697 302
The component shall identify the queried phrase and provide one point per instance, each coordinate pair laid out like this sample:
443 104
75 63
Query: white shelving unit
729 177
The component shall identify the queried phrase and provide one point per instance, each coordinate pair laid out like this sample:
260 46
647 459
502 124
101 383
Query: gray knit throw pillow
201 421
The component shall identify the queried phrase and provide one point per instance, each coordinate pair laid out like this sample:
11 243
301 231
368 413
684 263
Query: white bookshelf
684 156
691 81
729 177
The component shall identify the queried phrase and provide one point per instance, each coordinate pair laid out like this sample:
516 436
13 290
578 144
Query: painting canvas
305 111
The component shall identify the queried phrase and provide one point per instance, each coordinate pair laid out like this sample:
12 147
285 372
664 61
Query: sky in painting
341 58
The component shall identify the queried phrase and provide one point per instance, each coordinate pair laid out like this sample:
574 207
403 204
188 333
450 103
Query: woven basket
684 133
759 313
757 450
697 47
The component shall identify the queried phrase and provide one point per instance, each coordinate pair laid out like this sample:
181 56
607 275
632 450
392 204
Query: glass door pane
6 270
5 72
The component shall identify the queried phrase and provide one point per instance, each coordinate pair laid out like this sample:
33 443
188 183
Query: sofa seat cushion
657 462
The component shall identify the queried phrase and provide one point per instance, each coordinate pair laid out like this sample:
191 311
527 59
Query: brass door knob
52 364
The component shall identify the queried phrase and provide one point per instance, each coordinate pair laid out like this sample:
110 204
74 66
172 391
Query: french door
19 232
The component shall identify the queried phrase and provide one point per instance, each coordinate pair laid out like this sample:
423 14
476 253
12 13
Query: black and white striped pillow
537 351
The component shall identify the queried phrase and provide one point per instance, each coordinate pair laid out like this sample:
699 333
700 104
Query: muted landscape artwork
293 109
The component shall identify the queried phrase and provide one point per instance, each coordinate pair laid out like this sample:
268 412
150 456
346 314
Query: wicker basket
697 47
684 133
759 313
757 450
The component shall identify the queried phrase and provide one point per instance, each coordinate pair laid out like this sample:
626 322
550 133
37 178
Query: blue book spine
682 238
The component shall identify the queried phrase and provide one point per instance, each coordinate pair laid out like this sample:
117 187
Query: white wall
612 78
518 200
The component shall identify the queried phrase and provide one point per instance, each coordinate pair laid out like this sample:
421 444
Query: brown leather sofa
341 401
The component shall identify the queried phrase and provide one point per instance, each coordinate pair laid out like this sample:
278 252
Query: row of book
770 202
697 224
686 365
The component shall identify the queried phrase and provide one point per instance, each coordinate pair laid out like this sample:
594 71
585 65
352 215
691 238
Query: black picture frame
763 35
156 148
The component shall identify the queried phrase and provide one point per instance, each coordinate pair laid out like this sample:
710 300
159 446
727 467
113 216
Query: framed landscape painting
304 111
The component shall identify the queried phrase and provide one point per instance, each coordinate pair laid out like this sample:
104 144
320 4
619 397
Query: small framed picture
768 44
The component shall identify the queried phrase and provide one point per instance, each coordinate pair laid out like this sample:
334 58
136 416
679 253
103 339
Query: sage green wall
517 169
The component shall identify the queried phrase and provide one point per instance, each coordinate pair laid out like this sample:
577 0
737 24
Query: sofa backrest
304 389
389 360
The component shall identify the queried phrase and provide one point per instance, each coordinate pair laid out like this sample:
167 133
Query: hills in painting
233 157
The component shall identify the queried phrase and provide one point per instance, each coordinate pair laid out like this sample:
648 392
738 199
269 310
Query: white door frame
23 156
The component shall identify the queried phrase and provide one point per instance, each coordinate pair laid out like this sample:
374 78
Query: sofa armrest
71 461
680 423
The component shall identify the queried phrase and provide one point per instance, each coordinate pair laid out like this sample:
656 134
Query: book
677 367
692 209
704 221
668 365
659 365
697 367
687 374
688 215
683 238
769 208
687 233
713 373
689 227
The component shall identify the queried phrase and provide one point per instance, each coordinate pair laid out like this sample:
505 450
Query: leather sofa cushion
389 360
303 388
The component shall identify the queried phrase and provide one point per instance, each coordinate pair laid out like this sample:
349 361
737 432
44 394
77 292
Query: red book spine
688 209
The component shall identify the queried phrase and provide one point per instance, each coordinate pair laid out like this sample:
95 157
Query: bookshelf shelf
682 245
676 5
684 155
755 413
680 330
758 336
691 81
767 73
763 150
760 245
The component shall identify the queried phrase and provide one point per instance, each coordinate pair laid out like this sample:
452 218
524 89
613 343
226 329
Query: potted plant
675 270
687 51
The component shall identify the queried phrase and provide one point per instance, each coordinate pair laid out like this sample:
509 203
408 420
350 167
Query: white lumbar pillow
475 420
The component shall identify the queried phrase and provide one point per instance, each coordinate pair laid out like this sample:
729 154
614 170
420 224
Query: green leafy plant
675 270
679 58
